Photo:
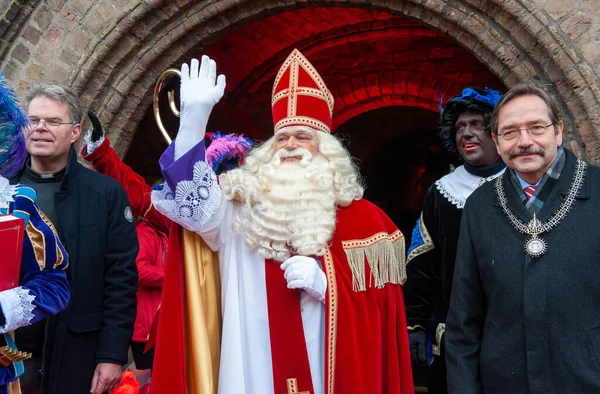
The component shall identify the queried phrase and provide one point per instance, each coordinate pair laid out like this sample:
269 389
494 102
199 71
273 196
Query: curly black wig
470 99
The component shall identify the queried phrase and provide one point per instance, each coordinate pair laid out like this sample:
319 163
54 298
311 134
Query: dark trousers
71 362
31 379
142 360
437 374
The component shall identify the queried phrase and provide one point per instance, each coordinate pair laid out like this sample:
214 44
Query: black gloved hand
417 341
97 130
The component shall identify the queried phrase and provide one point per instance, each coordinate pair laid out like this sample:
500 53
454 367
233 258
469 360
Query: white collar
457 186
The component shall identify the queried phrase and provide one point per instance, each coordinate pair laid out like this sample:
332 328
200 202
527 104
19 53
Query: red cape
366 338
169 370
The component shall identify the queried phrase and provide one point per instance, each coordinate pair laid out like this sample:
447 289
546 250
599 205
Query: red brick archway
512 57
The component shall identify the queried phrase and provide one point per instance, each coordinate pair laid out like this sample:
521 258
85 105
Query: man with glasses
524 312
42 289
465 131
87 344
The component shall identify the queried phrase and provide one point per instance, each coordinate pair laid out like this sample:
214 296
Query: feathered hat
300 97
470 99
13 122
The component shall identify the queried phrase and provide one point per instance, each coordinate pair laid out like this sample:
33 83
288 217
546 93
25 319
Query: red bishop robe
366 341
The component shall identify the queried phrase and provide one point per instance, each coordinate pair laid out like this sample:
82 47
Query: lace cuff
91 146
17 305
7 194
194 202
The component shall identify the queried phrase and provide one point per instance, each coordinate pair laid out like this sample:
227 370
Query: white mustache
298 152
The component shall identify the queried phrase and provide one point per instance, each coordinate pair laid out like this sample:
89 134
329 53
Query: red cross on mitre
292 386
300 97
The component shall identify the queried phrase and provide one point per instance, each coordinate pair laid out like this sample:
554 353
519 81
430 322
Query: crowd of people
277 276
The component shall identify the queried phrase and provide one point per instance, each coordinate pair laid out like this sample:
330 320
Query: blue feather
13 123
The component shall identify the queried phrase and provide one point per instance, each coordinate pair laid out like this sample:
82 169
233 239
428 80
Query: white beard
291 206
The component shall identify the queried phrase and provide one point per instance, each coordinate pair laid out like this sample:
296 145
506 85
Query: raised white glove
304 273
200 91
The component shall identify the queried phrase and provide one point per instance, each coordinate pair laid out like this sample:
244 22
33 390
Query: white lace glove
304 273
200 91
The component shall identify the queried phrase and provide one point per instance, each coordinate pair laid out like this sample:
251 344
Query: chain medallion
535 246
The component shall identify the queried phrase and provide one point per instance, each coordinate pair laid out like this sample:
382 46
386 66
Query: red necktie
529 191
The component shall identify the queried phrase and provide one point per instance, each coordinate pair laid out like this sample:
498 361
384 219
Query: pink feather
227 147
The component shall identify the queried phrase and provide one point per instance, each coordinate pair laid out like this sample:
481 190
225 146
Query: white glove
304 273
200 91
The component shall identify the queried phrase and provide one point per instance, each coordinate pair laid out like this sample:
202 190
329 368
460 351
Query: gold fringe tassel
386 260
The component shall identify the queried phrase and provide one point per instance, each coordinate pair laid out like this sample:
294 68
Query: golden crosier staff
171 96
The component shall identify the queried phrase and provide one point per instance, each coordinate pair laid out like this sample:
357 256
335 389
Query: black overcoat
518 324
96 227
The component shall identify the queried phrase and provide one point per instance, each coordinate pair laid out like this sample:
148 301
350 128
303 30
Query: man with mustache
310 272
524 309
432 253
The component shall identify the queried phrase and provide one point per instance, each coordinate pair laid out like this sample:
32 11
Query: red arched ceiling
368 59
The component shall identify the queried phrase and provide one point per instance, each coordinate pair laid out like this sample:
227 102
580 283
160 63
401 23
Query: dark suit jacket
96 227
523 325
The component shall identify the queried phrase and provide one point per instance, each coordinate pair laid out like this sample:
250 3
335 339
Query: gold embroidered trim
412 328
385 255
292 386
301 92
60 257
297 57
331 319
362 243
303 120
427 245
38 242
294 61
292 90
316 77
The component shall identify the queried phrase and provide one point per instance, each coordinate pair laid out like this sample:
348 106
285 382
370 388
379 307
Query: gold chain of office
535 246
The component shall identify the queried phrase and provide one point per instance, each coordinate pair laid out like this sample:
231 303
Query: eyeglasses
513 134
49 124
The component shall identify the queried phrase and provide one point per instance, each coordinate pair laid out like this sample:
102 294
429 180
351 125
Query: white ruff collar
458 185
7 193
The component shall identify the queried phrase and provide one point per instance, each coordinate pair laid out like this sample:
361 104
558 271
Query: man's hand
106 377
417 341
200 91
304 273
